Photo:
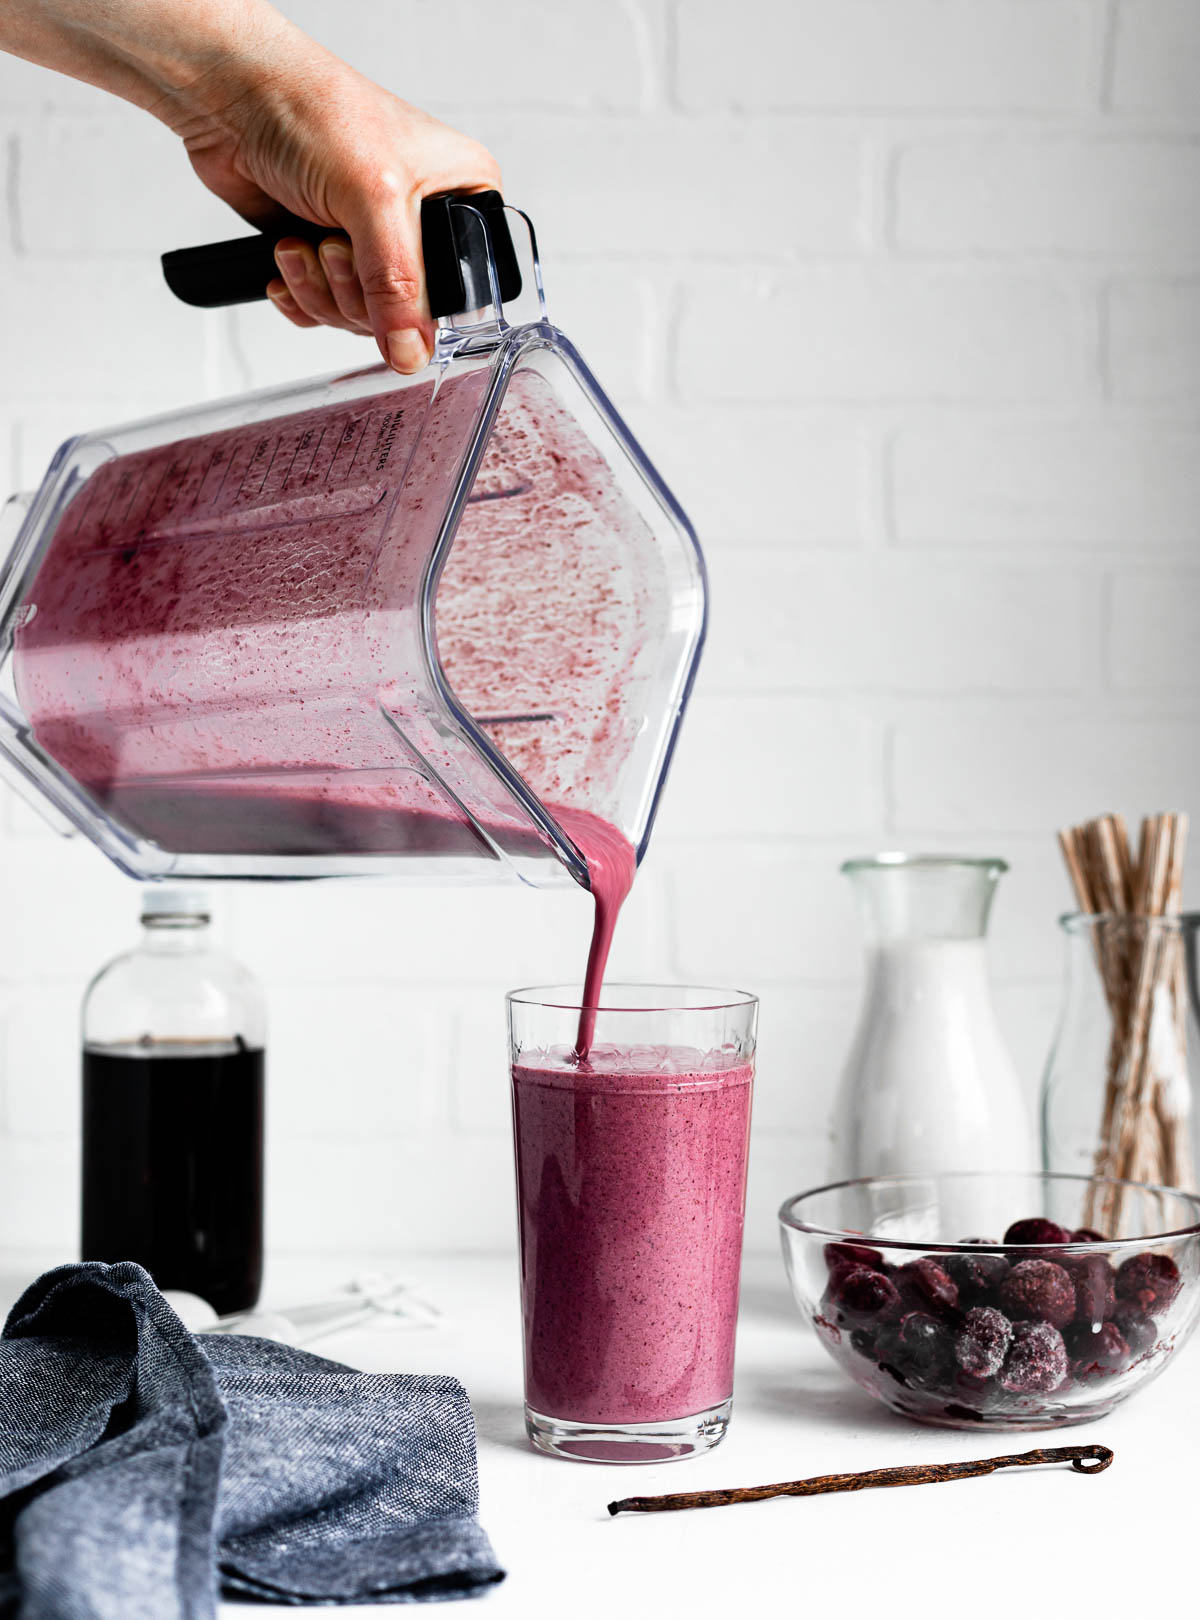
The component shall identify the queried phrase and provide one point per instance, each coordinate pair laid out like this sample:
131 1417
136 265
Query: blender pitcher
365 623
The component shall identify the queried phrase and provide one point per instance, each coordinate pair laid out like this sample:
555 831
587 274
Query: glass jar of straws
1120 1087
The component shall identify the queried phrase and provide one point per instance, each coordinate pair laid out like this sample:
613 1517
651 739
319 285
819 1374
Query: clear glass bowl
921 1292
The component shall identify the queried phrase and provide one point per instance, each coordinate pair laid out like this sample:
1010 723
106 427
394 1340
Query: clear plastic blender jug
362 624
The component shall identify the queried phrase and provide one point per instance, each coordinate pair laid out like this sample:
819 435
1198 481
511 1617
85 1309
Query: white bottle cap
158 902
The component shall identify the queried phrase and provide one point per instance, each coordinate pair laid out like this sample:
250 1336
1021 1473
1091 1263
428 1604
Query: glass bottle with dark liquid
173 1059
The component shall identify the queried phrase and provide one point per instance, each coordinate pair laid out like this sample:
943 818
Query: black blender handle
455 251
237 271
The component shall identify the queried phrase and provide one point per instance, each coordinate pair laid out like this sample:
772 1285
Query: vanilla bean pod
1083 1459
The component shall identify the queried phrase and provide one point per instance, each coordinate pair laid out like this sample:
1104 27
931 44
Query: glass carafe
928 1085
1125 1062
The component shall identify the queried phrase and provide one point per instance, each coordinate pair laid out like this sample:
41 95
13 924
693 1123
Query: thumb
387 257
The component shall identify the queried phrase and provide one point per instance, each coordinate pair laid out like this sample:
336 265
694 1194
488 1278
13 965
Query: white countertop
1045 1537
1021 1545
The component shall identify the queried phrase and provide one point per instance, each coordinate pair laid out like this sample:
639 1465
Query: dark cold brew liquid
173 1165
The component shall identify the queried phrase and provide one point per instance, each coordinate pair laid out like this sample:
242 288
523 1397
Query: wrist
230 59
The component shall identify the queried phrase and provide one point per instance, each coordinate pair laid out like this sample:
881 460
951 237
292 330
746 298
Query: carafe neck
905 898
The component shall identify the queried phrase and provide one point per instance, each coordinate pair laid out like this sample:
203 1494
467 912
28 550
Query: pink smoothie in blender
443 629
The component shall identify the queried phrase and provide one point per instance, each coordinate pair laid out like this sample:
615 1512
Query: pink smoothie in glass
631 1177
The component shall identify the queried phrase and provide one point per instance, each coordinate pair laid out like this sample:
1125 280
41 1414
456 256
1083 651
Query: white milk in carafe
929 1085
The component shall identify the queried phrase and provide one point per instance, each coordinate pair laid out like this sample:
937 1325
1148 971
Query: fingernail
280 297
292 263
407 351
338 261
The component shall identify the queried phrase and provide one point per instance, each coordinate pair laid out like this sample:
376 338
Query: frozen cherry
977 1276
1095 1296
1088 1234
926 1284
1096 1352
861 1293
1037 1360
863 1340
1040 1290
1036 1230
854 1254
1137 1329
982 1342
921 1346
1149 1281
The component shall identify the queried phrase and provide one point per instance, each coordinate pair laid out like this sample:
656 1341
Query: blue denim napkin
140 1466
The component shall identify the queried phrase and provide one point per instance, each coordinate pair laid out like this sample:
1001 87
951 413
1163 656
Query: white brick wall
904 295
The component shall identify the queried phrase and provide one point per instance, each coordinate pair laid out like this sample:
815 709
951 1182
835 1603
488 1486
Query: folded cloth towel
141 1466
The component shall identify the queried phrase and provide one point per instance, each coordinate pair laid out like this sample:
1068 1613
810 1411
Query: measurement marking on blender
266 475
348 443
363 437
248 469
287 477
500 494
230 448
514 719
214 460
134 492
308 473
121 483
150 504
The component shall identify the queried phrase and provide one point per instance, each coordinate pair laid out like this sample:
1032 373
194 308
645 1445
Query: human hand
274 122
316 138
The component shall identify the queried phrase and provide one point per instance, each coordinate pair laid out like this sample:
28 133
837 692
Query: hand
327 144
270 121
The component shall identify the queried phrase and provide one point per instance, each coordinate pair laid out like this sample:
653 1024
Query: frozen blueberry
854 1254
1137 1329
1037 1360
1036 1230
925 1284
860 1293
1096 1352
1149 1281
982 1342
1087 1234
976 1276
1094 1280
1039 1290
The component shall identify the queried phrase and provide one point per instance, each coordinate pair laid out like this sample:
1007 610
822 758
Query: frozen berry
922 1346
976 1276
1088 1234
1095 1296
1037 1359
1040 1290
1137 1329
861 1293
854 1254
1149 1281
982 1342
1036 1230
1096 1352
926 1284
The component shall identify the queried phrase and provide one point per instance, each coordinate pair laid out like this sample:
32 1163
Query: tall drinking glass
631 1193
